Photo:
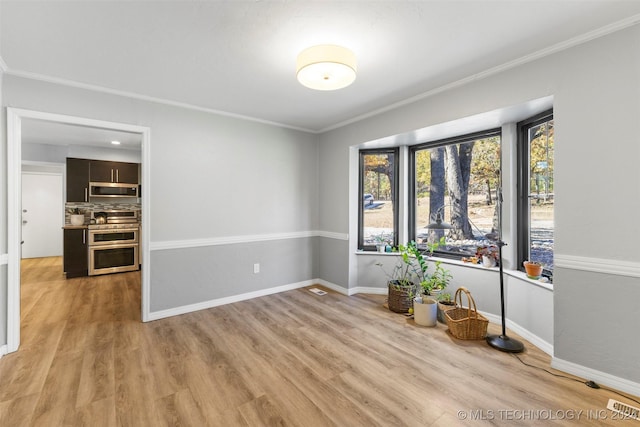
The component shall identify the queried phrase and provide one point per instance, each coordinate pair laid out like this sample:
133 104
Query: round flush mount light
326 67
115 142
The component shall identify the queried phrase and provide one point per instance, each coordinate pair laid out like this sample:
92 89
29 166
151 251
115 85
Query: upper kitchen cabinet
77 180
116 172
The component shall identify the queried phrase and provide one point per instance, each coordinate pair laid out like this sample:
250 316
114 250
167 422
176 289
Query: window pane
541 196
457 182
378 198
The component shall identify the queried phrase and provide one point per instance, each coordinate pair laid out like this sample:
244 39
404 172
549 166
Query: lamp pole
502 342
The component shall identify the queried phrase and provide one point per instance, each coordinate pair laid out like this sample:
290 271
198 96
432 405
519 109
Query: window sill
361 252
522 276
513 273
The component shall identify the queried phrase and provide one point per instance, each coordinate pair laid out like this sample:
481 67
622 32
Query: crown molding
134 95
558 47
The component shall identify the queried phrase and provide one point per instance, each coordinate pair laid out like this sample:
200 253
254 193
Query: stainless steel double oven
114 242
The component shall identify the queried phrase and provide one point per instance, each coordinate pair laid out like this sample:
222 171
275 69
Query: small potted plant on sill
533 269
381 243
488 255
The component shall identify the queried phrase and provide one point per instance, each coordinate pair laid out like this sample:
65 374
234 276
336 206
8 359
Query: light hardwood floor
293 358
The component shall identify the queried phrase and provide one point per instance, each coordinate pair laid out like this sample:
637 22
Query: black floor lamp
502 342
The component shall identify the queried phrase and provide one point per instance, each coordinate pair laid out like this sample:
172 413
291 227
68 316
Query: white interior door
42 214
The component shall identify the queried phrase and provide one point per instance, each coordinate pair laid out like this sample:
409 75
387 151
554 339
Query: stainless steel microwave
112 189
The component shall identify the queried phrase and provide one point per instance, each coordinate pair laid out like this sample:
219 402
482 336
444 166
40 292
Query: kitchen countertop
74 227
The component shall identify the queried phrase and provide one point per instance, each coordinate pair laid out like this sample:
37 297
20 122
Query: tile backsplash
87 208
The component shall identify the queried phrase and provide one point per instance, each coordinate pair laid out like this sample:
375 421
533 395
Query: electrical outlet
256 268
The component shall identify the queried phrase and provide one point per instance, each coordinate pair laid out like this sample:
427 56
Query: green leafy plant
437 281
410 268
445 298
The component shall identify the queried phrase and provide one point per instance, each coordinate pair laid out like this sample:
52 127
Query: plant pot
488 261
381 248
76 219
435 294
425 313
399 298
442 307
534 270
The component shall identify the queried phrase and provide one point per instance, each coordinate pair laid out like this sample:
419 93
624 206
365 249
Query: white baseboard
600 377
369 290
524 333
334 287
352 291
156 315
3 350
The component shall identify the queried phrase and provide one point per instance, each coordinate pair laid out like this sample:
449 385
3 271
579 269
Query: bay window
536 191
378 198
455 180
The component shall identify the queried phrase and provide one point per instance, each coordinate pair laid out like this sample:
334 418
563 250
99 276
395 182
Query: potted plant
488 255
425 311
381 243
444 303
533 269
409 270
435 283
76 218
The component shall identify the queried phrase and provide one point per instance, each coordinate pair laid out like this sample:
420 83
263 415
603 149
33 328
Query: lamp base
504 343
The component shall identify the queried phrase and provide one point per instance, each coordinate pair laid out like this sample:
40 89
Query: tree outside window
457 179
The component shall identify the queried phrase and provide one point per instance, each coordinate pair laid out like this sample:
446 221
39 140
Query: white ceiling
238 57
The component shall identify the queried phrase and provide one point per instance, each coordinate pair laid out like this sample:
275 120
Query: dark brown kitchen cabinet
77 180
122 172
76 256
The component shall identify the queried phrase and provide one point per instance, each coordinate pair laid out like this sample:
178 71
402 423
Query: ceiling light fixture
326 67
115 142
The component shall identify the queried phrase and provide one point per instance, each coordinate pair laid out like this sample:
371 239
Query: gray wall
596 90
212 177
216 272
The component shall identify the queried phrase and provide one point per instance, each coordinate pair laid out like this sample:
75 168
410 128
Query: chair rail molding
598 265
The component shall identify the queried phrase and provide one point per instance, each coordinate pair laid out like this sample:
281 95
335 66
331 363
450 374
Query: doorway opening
17 122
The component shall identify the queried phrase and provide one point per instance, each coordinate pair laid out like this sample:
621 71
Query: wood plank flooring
290 359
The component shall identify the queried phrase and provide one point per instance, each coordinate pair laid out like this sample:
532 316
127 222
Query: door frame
14 206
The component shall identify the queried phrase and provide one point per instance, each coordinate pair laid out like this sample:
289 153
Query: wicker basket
466 323
399 298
